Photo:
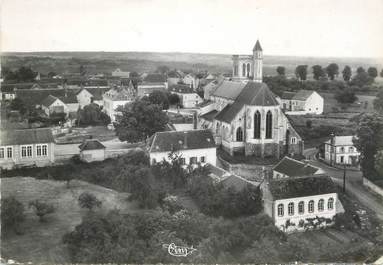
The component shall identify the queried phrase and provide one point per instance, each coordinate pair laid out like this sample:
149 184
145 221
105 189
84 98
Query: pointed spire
257 46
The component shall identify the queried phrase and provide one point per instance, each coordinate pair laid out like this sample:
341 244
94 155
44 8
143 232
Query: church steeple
257 62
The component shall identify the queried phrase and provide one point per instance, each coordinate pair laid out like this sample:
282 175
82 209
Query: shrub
41 209
12 213
89 201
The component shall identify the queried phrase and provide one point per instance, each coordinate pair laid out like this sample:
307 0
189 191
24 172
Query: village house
341 150
52 104
91 95
191 80
296 204
188 97
26 147
115 97
209 88
195 146
150 83
290 168
119 73
302 102
173 78
92 150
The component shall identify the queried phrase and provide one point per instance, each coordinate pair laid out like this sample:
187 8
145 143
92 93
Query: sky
336 28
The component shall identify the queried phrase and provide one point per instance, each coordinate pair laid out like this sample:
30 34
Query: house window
293 140
9 152
243 69
239 134
202 159
311 206
330 204
45 150
321 205
41 150
301 207
290 208
351 149
257 125
342 149
341 159
1 152
269 125
26 151
280 210
193 160
248 70
182 161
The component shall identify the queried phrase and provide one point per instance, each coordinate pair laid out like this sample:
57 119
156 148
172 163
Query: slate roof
174 74
294 168
182 140
70 98
26 136
342 140
303 94
36 97
155 78
181 88
287 95
229 89
91 144
301 187
253 94
49 100
210 115
236 182
257 46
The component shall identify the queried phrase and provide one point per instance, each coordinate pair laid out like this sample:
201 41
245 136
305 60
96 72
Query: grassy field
41 242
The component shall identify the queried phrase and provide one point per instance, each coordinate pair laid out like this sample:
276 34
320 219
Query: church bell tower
257 62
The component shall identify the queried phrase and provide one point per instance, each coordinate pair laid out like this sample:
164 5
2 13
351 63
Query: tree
92 114
82 70
372 72
346 73
174 99
309 124
379 162
332 70
381 73
12 213
318 72
19 105
41 209
162 69
25 74
281 70
89 201
362 79
139 120
378 102
360 70
301 72
368 141
345 96
159 98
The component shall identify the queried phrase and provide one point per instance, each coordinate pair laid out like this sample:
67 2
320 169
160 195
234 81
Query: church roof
257 46
253 94
229 90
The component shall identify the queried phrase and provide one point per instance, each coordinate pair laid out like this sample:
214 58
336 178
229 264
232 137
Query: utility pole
344 178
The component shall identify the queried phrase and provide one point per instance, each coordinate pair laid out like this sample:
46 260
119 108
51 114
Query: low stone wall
375 188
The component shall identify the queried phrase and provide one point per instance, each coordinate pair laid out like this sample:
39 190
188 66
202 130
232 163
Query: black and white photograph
191 132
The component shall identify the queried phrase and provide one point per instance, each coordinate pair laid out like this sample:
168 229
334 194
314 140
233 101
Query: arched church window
243 69
235 70
257 125
248 70
239 134
269 125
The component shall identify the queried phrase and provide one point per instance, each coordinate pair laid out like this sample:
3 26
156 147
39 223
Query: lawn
41 242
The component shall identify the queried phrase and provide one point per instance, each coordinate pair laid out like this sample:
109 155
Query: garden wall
369 184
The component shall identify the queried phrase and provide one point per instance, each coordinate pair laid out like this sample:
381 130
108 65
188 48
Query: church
245 116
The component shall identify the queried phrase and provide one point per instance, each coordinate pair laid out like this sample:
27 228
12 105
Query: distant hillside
60 62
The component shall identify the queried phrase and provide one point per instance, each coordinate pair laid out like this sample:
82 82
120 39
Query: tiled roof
155 78
210 115
36 97
294 168
69 98
26 136
182 140
181 88
287 95
49 100
174 74
236 182
301 187
342 140
303 94
91 144
97 92
253 94
229 90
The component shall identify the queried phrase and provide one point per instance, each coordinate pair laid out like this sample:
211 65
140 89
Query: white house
173 78
151 83
191 80
290 168
188 97
302 102
302 203
119 73
92 150
52 104
115 97
341 150
195 146
26 147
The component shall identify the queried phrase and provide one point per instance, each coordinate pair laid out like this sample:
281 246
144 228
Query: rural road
354 185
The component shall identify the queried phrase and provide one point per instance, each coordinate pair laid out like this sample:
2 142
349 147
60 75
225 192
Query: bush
12 213
89 201
41 209
345 96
